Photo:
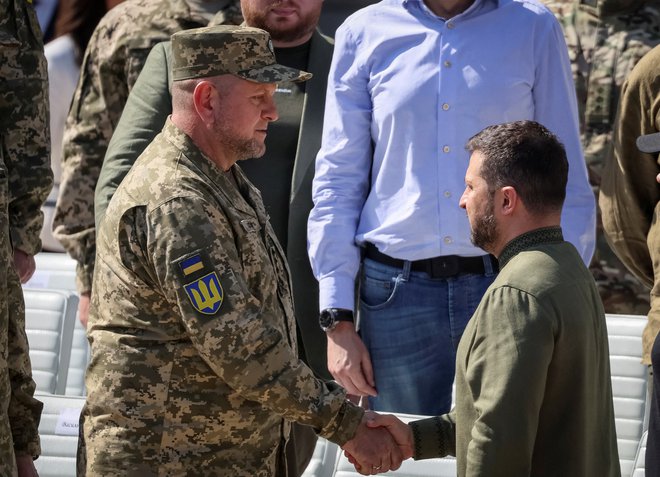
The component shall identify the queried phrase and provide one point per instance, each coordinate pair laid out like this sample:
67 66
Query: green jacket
148 106
194 366
533 390
630 196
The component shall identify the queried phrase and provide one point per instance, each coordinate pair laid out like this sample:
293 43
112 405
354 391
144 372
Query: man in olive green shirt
533 391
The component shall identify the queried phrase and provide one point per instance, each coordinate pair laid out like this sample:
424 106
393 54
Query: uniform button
447 194
450 25
448 239
445 149
447 63
445 106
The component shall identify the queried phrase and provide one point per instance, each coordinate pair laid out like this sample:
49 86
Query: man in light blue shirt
411 81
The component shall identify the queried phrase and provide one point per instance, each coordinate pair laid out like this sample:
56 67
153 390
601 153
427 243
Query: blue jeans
411 324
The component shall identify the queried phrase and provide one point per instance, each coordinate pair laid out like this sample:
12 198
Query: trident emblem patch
206 294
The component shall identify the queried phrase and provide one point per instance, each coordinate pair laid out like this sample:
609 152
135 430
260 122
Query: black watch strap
331 316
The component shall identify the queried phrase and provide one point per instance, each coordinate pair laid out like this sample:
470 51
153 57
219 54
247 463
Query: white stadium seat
58 431
629 380
58 271
50 316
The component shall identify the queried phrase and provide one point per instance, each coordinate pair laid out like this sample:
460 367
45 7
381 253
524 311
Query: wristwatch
331 316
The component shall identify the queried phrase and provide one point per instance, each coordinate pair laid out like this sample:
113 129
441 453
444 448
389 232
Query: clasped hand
380 444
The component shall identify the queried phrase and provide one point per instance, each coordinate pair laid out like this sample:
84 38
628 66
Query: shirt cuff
337 292
434 437
84 273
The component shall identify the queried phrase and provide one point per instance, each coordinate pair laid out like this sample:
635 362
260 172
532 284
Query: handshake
380 444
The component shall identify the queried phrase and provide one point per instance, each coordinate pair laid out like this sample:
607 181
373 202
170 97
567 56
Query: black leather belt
437 267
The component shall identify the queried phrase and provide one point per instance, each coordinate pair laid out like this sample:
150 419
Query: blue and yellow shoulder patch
204 291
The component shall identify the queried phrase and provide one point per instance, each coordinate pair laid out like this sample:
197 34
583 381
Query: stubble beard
484 230
279 30
244 149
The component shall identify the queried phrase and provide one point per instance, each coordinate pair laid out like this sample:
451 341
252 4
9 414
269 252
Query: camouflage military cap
241 51
649 143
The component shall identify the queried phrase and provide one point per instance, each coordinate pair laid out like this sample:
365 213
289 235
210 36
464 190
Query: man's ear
203 101
509 201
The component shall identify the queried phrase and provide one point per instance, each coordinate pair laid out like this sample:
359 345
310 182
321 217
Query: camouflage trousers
24 142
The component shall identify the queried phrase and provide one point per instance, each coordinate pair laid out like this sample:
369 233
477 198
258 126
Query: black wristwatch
331 316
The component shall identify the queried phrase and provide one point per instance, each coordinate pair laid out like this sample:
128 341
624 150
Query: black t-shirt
273 172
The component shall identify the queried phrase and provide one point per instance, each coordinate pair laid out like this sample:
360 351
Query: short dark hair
528 157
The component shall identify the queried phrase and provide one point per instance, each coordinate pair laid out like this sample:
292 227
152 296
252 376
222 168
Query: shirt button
447 194
448 239
450 25
445 106
447 63
445 149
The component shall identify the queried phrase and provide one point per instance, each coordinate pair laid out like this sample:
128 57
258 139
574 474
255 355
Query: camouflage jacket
24 126
25 181
194 361
630 197
605 39
114 58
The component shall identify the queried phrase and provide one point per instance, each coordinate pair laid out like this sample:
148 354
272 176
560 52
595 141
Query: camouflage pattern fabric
241 51
605 39
194 361
115 56
25 181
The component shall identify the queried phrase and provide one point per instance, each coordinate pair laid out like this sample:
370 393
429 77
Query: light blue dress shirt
406 91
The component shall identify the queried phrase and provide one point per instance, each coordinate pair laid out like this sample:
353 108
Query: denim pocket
378 285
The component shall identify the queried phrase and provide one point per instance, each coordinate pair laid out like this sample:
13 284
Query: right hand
373 450
349 361
83 308
400 431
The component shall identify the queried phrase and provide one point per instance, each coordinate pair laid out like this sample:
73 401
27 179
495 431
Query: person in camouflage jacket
114 58
605 39
25 181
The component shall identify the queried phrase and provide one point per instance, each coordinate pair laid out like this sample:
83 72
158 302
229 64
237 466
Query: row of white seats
58 345
50 319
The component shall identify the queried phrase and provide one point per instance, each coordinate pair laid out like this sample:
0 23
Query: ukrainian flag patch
191 265
206 294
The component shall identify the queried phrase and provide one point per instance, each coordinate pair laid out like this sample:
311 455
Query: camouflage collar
529 240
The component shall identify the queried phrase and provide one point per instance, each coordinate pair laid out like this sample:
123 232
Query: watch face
326 320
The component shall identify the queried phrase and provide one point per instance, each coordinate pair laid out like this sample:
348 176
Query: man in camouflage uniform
114 58
605 39
194 367
25 181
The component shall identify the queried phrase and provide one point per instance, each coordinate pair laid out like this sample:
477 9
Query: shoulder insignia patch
206 294
204 289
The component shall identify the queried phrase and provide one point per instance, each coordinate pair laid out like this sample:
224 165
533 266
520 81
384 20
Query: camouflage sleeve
109 69
148 105
257 359
25 128
24 410
629 191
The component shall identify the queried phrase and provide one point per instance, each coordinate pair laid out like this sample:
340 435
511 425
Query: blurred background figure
114 58
74 23
630 203
606 39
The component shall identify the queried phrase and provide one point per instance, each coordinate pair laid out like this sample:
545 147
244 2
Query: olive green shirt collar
528 240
